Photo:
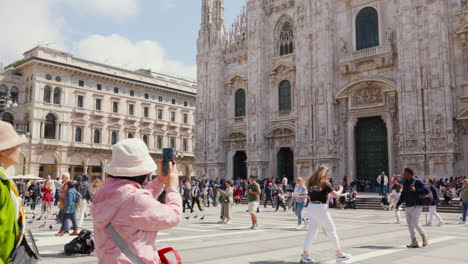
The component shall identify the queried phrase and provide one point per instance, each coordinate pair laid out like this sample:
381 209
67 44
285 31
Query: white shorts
253 206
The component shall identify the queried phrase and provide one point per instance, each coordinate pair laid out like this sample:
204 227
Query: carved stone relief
367 95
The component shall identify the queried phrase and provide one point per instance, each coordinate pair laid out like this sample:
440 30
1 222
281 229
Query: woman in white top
319 218
394 197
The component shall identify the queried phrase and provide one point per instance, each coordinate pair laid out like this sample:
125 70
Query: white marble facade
414 77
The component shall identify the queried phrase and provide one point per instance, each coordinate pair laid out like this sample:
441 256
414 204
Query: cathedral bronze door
371 148
240 165
285 164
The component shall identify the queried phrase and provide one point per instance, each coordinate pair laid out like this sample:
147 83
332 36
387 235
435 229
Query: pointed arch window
47 94
240 103
145 139
97 136
50 126
57 95
78 134
367 28
284 95
286 39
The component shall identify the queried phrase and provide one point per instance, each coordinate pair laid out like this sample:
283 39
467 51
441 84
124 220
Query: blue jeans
65 217
299 207
464 210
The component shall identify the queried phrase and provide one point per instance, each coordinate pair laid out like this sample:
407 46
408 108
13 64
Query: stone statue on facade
389 35
343 45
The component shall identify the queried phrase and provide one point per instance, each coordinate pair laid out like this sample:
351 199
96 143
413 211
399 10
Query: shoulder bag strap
118 240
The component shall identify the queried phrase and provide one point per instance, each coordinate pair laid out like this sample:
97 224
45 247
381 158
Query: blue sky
156 34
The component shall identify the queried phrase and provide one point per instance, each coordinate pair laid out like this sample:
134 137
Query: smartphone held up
168 156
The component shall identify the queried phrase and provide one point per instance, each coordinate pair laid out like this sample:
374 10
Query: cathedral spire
218 13
207 12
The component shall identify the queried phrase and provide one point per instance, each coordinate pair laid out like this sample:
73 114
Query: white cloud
120 51
114 9
27 23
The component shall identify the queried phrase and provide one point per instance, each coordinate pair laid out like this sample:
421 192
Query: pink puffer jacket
136 215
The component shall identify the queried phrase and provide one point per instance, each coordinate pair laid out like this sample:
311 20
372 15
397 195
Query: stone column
351 148
388 121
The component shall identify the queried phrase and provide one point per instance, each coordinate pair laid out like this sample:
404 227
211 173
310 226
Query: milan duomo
362 86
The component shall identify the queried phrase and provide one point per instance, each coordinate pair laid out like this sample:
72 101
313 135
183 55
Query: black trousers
279 203
187 203
269 198
196 200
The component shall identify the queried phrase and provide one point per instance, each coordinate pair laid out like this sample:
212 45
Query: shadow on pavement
375 247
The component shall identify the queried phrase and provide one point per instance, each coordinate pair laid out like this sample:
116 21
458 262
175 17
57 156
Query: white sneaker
298 227
343 257
221 222
306 260
398 222
228 222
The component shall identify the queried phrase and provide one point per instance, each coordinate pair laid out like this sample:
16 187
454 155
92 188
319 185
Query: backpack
78 198
82 244
83 189
425 199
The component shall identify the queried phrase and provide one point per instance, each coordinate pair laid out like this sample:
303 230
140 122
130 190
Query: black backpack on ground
82 244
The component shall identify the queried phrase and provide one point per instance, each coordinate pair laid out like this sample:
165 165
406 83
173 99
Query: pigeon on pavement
202 218
188 217
195 216
51 227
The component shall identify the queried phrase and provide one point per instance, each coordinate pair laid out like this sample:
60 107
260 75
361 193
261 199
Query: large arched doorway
240 165
371 148
285 164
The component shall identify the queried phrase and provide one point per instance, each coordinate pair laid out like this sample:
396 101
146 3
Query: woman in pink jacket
134 212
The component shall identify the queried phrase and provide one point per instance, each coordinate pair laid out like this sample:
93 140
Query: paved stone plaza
371 236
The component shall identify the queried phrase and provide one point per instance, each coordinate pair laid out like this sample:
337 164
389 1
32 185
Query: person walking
226 203
123 208
237 194
63 192
412 189
34 193
300 194
279 195
394 198
186 197
47 199
319 218
196 196
464 201
83 188
253 198
58 187
71 199
382 180
434 204
269 194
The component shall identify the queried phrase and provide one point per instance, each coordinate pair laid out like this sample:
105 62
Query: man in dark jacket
412 189
269 195
434 204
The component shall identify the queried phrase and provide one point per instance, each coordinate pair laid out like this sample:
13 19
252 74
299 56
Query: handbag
26 251
123 246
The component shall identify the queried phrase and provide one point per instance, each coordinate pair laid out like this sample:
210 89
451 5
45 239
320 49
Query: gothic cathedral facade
361 86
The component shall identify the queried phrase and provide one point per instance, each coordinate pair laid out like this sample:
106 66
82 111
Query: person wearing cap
134 212
11 212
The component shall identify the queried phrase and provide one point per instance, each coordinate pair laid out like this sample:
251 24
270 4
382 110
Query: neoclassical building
73 110
362 86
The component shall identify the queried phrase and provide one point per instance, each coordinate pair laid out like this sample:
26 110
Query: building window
173 116
284 95
146 96
286 39
49 126
48 77
131 109
80 83
4 90
14 94
130 135
185 145
7 117
240 103
172 143
115 107
114 137
173 101
116 90
97 136
185 119
99 87
367 28
145 139
47 94
159 142
185 103
58 79
146 111
79 101
98 104
78 134
57 95
160 99
160 114
132 93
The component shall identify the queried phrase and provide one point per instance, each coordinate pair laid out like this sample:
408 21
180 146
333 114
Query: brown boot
425 241
75 233
61 233
414 243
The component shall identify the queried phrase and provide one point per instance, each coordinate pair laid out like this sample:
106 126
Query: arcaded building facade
362 86
73 111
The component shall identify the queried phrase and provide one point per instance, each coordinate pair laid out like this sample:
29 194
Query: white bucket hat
130 158
9 138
